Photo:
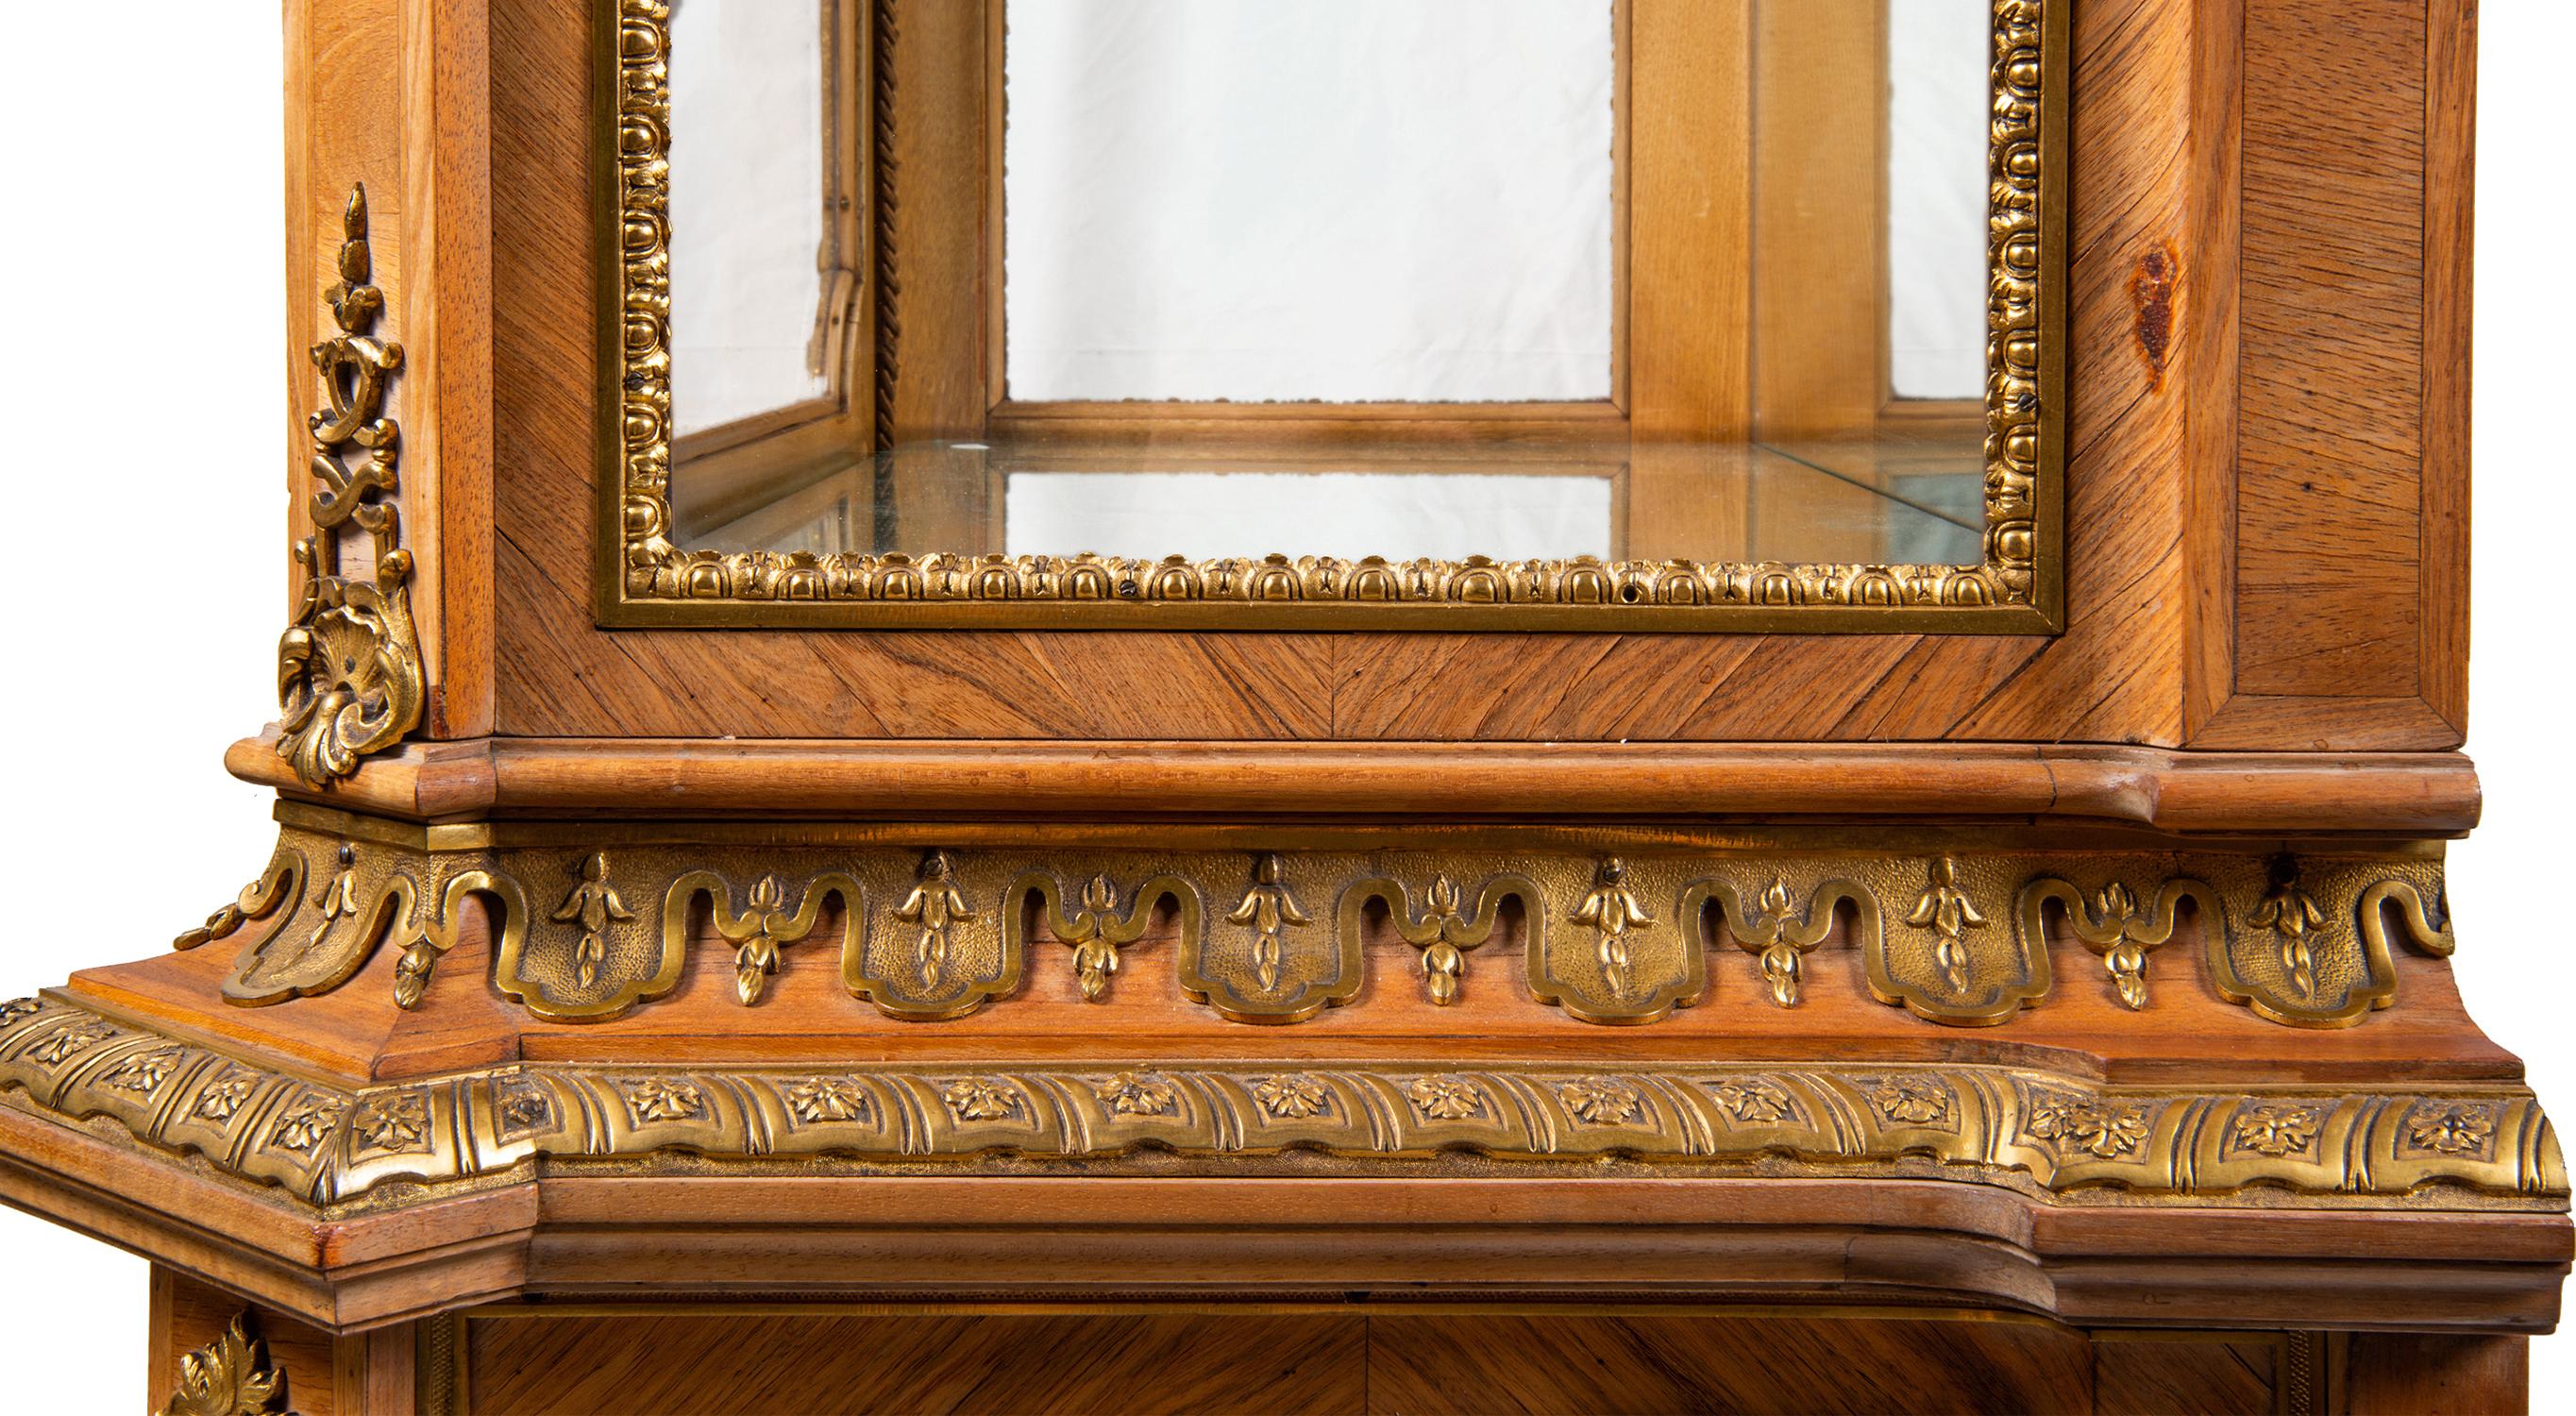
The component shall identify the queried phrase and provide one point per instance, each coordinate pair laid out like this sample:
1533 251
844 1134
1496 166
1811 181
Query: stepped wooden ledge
353 1206
2156 788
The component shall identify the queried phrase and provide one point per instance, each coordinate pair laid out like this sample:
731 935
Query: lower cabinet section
544 1359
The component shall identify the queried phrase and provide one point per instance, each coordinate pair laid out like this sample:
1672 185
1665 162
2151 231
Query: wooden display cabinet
744 937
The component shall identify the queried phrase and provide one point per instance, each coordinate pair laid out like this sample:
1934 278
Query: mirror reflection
747 158
1347 278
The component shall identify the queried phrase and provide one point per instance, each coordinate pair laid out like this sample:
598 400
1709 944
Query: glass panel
1388 201
1212 515
747 178
1866 501
1343 200
1937 116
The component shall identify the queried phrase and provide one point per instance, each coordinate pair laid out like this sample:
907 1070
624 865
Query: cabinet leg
251 1361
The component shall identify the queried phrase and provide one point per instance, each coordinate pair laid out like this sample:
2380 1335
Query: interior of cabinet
1752 259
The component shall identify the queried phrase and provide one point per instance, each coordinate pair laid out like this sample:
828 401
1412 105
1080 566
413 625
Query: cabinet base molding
2056 1135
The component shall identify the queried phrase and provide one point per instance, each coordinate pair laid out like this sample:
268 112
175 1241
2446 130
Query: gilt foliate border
2070 1139
643 577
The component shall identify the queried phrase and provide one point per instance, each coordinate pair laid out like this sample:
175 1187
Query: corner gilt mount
349 680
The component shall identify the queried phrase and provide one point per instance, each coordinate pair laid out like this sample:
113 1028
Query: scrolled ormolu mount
230 1376
928 932
2315 953
349 679
1267 959
2058 1135
2110 924
1096 928
434 926
1766 929
1440 930
759 931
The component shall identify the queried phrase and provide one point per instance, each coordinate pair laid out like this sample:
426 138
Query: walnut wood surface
2289 602
2349 587
358 1374
2115 676
1134 1365
2423 1375
2161 1374
2413 794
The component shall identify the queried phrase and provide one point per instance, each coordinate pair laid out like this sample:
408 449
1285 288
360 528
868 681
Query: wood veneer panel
344 85
393 94
1129 1365
2450 150
2155 1375
1819 242
193 1314
2114 676
2410 1374
940 151
445 323
1491 1365
2330 464
557 671
1450 1363
2206 284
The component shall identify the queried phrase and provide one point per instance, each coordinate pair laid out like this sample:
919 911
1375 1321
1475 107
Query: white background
142 461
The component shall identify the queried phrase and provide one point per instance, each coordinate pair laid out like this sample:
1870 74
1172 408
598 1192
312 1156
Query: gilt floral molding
584 932
349 678
645 577
2074 1140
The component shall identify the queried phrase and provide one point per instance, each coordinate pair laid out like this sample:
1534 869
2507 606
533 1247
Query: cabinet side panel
2450 251
2330 468
2425 1375
446 327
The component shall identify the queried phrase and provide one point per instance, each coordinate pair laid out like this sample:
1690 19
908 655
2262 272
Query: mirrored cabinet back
1363 705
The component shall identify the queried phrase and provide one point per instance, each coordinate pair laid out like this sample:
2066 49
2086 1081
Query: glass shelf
1871 501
